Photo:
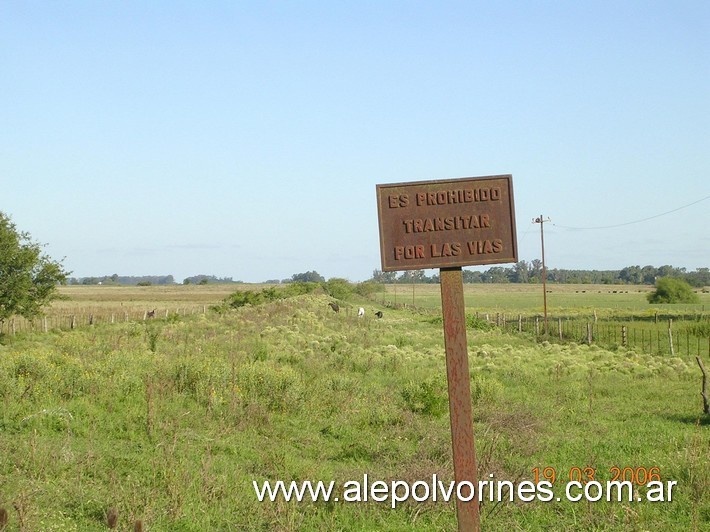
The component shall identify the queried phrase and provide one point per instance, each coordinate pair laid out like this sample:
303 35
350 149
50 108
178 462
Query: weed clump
427 397
242 298
278 388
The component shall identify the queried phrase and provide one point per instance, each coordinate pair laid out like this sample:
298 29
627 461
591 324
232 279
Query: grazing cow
112 517
379 314
360 312
334 306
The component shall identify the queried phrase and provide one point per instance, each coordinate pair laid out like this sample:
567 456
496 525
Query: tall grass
170 422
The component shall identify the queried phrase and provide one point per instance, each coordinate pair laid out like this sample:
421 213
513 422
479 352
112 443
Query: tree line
147 280
531 272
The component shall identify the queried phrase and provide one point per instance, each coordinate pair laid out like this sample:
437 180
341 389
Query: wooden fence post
670 337
706 406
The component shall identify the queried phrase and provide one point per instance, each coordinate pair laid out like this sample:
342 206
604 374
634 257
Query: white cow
360 312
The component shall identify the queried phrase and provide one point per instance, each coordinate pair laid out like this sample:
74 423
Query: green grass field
170 420
527 298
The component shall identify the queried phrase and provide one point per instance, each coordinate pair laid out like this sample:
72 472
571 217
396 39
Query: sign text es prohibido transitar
447 223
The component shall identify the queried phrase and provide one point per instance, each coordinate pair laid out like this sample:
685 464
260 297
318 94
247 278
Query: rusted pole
460 411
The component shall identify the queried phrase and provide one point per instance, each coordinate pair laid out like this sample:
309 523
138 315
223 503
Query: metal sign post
460 411
448 224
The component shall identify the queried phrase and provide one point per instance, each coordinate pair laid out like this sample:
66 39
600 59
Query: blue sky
245 139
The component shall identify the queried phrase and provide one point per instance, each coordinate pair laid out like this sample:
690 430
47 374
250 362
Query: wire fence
677 336
671 335
87 317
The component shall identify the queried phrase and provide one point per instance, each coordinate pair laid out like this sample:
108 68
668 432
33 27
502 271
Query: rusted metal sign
446 223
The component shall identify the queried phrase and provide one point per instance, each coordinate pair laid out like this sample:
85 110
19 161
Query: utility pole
540 220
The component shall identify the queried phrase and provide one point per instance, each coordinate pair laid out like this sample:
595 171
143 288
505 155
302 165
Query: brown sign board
447 223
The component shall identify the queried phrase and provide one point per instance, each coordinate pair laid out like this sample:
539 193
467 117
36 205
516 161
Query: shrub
700 328
485 389
368 288
426 397
277 388
338 288
472 322
673 290
241 298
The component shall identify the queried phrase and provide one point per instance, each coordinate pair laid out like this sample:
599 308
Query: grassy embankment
171 420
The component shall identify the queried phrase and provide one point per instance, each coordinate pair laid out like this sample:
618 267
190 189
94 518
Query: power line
635 221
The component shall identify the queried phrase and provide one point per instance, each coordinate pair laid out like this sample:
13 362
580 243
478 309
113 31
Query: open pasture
94 304
170 421
611 315
514 298
140 297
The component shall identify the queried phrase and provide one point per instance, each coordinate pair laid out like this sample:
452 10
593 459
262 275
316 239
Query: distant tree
631 275
470 276
204 279
699 278
520 273
378 276
649 274
666 271
496 274
673 290
535 270
307 277
28 279
413 276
